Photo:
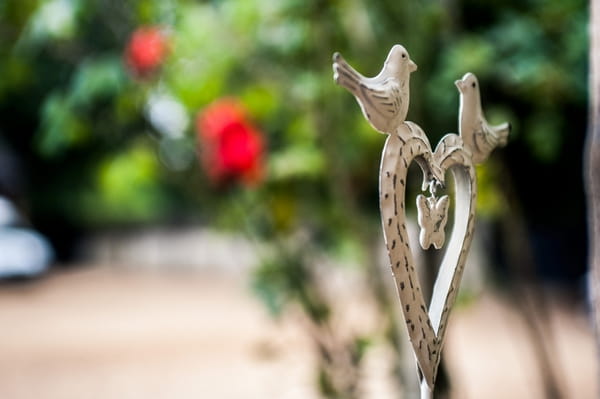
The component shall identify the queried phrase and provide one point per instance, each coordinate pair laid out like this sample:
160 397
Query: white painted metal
384 102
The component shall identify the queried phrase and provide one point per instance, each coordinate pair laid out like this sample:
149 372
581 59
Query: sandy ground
101 332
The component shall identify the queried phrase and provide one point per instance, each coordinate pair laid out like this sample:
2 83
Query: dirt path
98 333
103 333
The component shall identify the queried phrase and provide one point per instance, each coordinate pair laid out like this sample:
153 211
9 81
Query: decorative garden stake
384 102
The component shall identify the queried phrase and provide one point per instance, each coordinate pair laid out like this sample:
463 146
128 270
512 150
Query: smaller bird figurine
432 215
383 99
476 132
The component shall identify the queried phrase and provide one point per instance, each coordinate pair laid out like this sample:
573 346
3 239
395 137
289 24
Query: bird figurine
476 132
432 215
383 99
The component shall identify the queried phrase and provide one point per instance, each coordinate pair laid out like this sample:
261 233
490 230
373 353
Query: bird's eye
473 84
403 55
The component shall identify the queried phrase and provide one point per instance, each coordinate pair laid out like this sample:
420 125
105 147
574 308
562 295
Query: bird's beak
460 84
412 66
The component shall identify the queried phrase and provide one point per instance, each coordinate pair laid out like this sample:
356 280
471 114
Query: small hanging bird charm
432 215
384 98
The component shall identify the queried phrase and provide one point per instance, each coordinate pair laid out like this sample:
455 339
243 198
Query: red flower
232 148
145 50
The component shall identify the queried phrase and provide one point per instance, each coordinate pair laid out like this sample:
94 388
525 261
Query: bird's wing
482 137
345 75
385 97
501 132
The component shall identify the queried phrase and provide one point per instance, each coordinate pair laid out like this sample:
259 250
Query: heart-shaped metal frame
384 101
426 327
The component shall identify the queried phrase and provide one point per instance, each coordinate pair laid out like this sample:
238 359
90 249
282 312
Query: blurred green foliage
62 67
81 122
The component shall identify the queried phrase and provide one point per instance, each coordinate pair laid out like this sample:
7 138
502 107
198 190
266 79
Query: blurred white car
23 251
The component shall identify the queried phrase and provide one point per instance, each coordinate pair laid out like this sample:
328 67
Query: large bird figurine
476 132
384 98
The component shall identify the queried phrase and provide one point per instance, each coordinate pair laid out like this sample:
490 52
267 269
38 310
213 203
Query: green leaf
52 20
127 188
60 128
97 78
296 161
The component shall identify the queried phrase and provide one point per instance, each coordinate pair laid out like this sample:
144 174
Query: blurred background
189 204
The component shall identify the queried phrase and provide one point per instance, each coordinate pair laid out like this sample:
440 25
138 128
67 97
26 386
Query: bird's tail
501 132
344 74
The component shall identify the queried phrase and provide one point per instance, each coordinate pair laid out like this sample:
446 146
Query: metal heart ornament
384 101
426 327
